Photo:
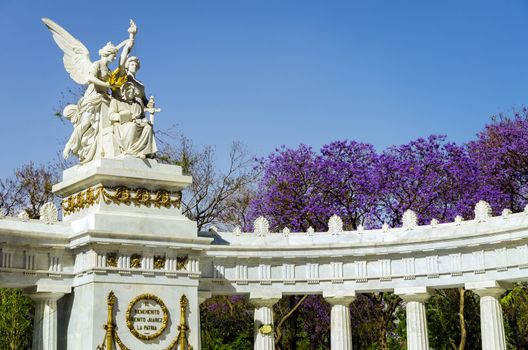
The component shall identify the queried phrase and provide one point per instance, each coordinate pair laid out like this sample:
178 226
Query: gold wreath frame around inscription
130 323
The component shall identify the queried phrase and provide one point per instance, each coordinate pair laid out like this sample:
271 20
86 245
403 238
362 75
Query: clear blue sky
271 72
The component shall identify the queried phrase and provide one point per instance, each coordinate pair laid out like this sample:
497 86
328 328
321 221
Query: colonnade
412 262
491 319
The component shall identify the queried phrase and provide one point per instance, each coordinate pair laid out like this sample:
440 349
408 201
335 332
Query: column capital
419 294
488 288
339 297
258 302
45 296
266 298
47 291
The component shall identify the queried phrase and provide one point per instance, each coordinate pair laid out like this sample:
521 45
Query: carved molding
111 260
181 262
159 262
120 195
135 261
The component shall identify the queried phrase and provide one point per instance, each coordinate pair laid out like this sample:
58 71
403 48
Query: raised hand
132 30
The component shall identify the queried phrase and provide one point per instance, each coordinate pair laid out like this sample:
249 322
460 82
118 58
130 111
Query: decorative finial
23 215
410 220
335 225
49 213
482 211
261 226
111 299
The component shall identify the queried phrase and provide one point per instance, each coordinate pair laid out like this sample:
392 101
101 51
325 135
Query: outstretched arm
128 45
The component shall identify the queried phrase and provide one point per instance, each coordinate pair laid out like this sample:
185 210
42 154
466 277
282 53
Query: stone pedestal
340 331
263 318
417 336
491 320
129 237
129 196
45 321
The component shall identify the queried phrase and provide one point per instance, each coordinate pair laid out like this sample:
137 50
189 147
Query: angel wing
76 56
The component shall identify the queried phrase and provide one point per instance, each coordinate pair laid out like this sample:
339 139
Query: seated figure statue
106 125
132 133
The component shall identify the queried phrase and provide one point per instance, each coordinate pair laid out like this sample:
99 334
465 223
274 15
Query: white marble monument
134 256
124 269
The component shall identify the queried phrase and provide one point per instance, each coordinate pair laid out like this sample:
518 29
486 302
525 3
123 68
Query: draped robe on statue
133 134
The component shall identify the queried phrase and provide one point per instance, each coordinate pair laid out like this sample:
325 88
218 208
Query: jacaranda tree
501 153
302 188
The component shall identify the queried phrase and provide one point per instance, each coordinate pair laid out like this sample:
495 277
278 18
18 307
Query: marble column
202 296
263 318
415 297
45 322
491 321
340 329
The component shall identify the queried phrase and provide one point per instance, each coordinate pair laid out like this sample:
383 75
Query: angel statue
92 136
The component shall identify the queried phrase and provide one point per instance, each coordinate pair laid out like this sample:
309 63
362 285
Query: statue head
132 65
129 91
109 51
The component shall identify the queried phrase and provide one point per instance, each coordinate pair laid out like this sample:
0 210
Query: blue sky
269 73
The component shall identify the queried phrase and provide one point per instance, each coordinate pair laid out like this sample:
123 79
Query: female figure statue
90 114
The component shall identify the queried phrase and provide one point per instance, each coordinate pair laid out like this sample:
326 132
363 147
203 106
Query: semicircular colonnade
486 255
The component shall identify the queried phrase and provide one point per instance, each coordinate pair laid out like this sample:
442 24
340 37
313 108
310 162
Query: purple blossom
431 176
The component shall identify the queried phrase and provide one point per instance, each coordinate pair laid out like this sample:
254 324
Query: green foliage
16 322
290 332
226 323
240 342
398 339
303 341
515 310
443 320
